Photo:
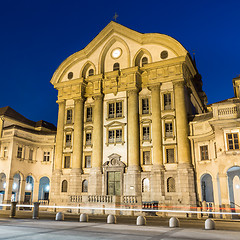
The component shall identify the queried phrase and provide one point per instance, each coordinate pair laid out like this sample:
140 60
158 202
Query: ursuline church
133 130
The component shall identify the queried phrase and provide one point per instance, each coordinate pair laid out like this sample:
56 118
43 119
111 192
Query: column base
157 182
186 185
133 169
95 186
75 184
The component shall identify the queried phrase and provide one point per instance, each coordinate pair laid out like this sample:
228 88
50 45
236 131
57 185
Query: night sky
36 36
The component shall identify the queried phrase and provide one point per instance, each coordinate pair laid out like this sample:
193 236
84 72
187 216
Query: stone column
186 187
157 171
74 187
78 135
56 176
181 124
97 138
133 131
60 135
156 127
95 178
132 178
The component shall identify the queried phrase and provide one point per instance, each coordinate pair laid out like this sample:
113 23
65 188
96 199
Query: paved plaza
24 229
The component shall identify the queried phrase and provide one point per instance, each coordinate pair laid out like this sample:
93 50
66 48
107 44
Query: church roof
11 113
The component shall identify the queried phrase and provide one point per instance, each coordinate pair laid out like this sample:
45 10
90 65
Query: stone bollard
173 222
13 209
83 217
209 224
59 216
141 221
111 219
35 210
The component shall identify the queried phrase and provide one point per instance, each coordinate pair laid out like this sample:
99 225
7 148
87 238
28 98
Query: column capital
79 99
154 87
97 97
178 84
132 91
61 101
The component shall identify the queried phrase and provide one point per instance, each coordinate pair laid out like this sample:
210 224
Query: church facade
123 130
134 131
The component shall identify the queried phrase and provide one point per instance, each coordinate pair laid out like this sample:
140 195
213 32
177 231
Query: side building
215 151
122 136
26 158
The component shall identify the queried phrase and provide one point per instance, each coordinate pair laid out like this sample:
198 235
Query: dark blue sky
36 36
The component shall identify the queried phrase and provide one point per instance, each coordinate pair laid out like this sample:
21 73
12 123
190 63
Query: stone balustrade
228 111
101 199
130 199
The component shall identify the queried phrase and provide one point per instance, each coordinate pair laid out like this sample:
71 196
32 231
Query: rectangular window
168 130
146 135
170 155
89 114
69 116
67 162
146 158
30 154
5 152
88 161
111 110
88 138
115 110
145 106
167 101
111 136
118 109
204 152
19 152
233 142
46 156
119 135
68 140
115 136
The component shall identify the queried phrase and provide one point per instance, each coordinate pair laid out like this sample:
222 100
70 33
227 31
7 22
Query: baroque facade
133 131
124 102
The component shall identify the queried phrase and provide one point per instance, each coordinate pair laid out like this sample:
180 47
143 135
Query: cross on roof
115 17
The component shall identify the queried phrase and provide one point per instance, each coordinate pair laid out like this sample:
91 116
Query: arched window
145 185
171 185
116 66
90 72
144 61
85 186
64 185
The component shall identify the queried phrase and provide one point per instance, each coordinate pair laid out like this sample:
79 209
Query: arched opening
91 72
85 186
207 188
87 70
44 187
144 61
141 58
2 187
171 185
145 185
28 190
116 66
16 187
233 174
64 185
